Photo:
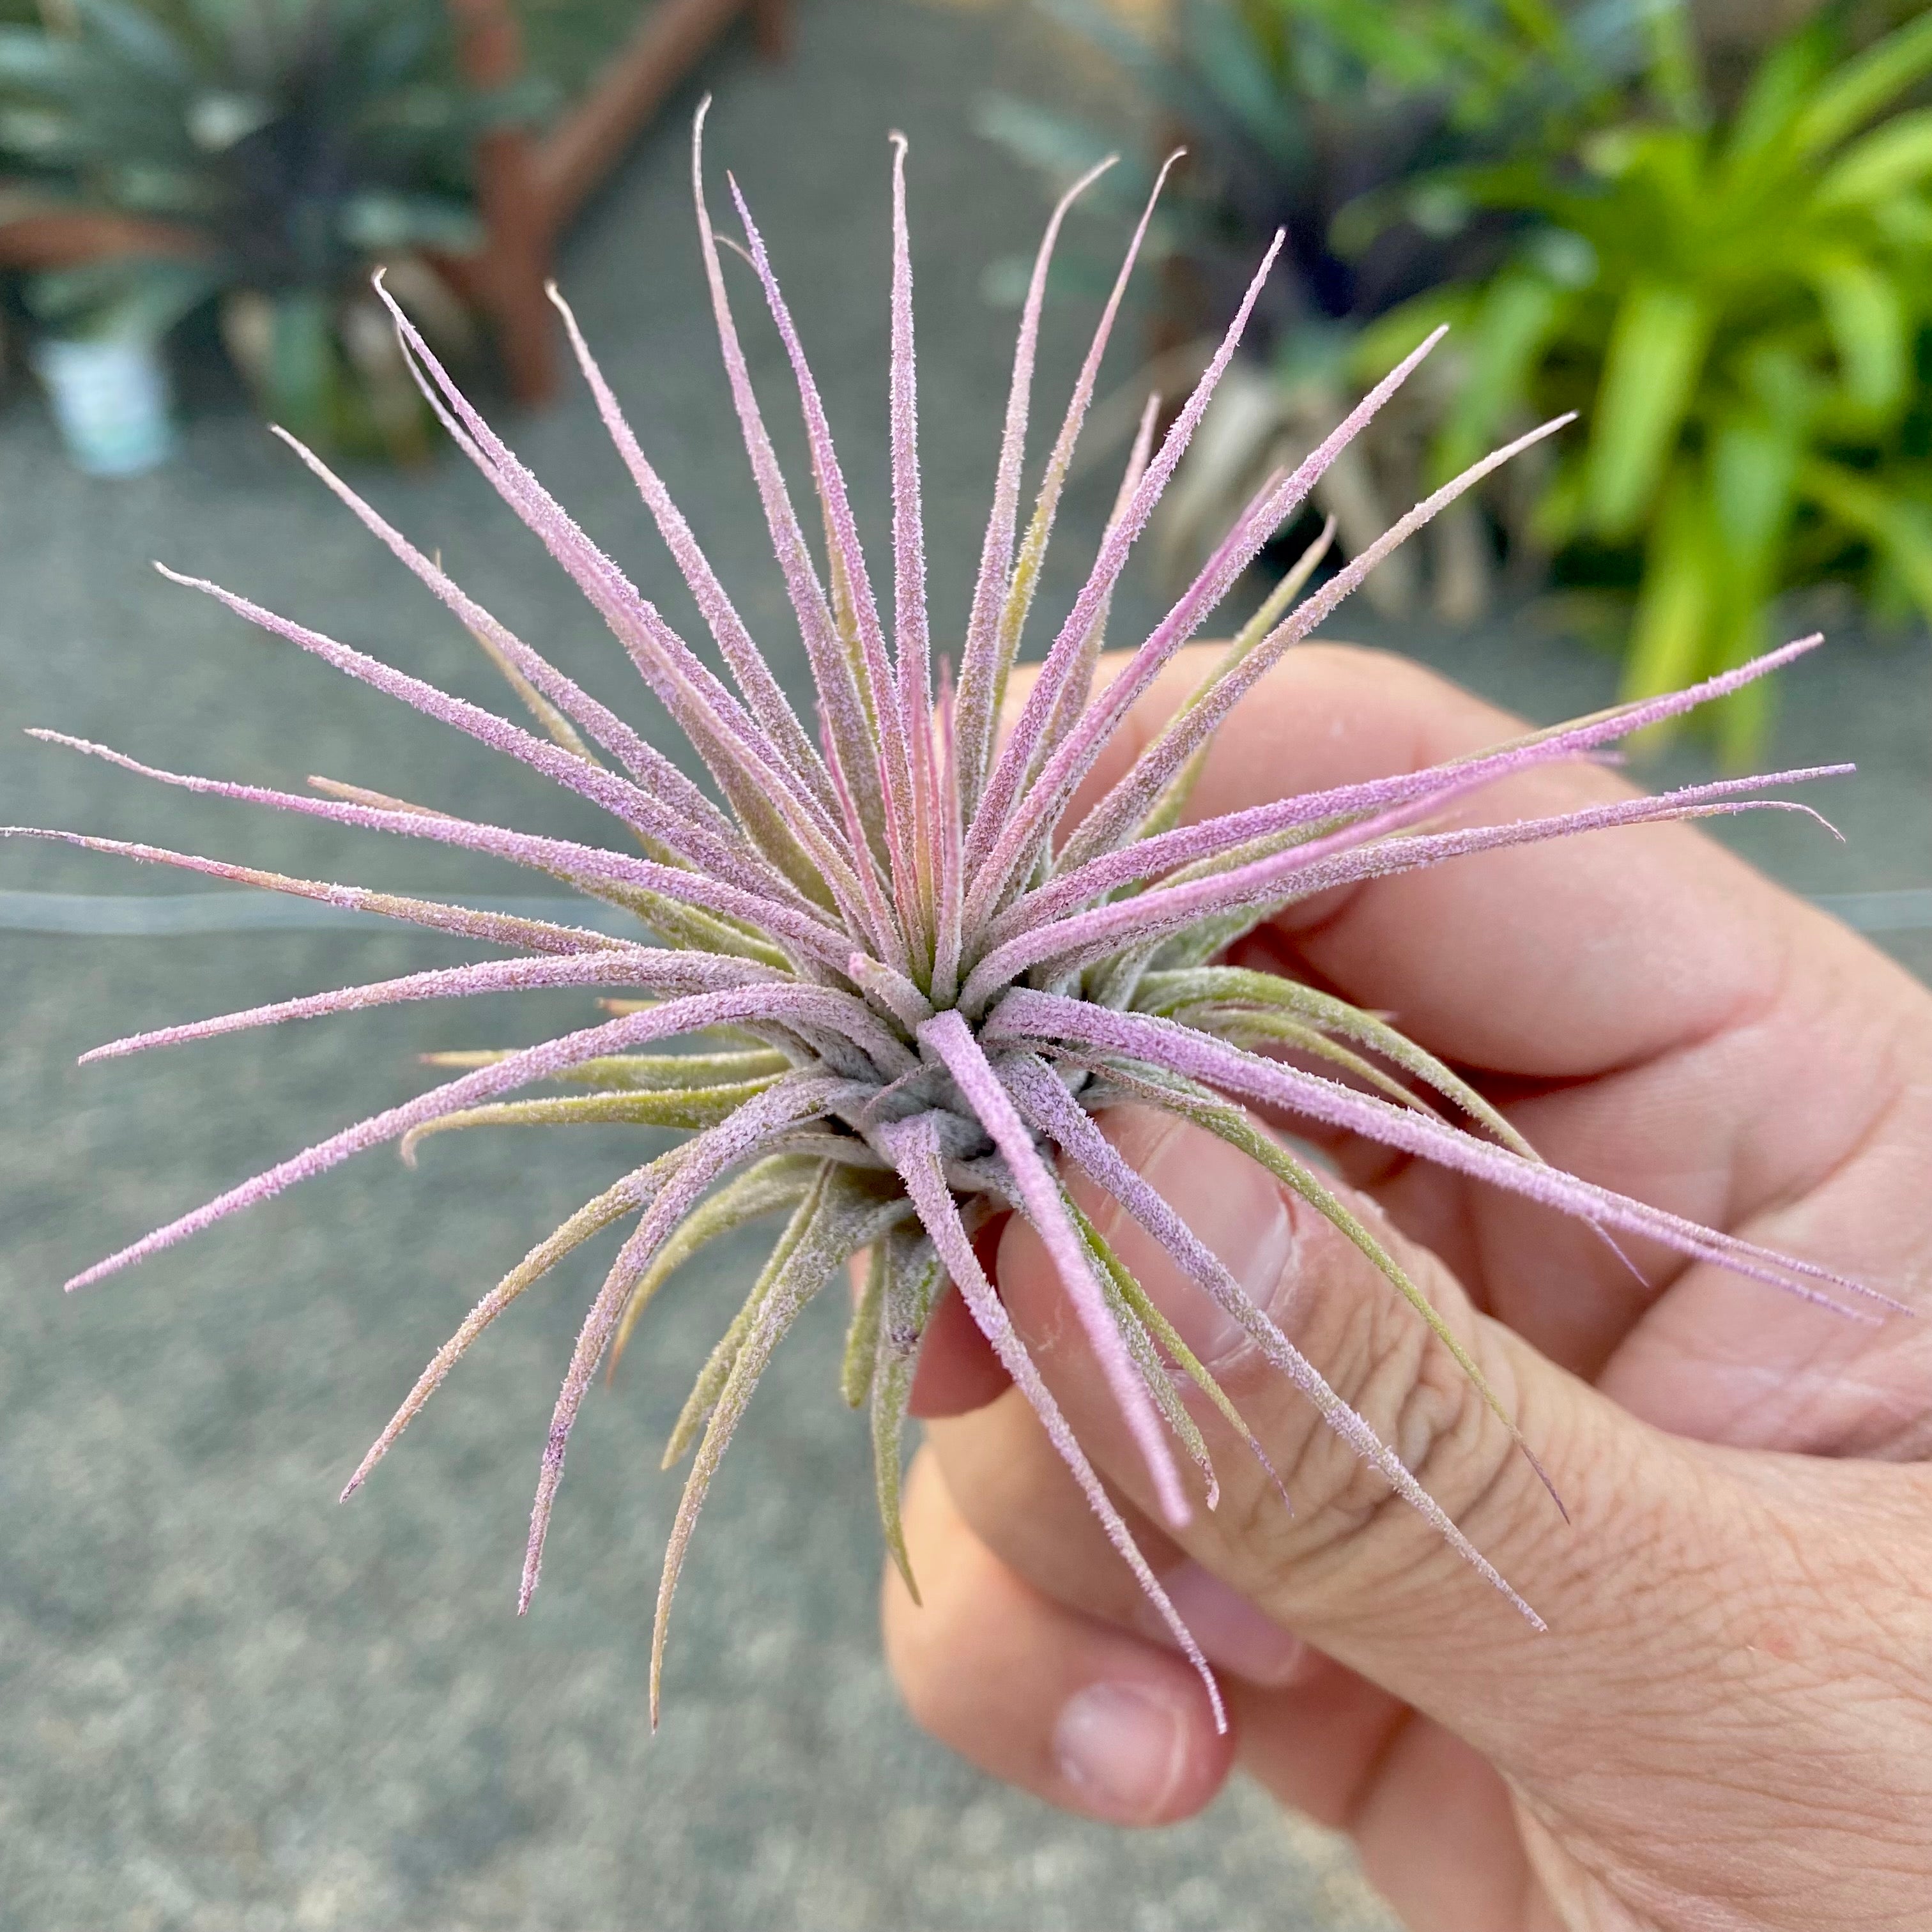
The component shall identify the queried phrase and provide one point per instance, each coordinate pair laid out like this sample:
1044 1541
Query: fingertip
1075 1710
1133 1749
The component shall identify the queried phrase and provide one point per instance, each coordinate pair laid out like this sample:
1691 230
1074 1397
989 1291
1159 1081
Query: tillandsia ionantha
906 982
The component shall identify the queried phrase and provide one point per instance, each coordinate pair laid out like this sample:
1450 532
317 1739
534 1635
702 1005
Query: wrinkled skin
1730 1722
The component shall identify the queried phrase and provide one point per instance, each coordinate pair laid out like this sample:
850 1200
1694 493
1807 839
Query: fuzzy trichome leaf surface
880 973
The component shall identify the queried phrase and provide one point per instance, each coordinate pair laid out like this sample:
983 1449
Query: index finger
1557 960
1689 1032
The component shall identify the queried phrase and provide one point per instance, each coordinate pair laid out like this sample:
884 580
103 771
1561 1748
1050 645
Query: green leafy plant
1291 111
272 151
1740 307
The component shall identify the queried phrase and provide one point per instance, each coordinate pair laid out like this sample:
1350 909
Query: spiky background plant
911 983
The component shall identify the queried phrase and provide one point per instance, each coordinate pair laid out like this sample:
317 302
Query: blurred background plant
268 154
566 43
1291 110
1739 304
1717 250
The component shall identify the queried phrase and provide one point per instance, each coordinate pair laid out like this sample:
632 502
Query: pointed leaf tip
1544 1476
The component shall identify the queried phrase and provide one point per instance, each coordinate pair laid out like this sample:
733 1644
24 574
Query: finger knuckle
1380 1357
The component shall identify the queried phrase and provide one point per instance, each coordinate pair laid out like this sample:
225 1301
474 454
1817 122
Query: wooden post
771 28
672 37
527 186
60 237
519 226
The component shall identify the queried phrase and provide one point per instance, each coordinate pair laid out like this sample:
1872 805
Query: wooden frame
529 185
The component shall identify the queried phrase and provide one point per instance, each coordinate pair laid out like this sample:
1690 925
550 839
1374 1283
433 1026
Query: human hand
1729 1723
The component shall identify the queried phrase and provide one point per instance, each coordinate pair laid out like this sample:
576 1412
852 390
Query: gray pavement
224 1702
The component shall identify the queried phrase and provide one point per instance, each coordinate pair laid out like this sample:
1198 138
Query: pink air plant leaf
910 981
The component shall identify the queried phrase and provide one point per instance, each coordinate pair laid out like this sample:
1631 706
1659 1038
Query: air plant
912 984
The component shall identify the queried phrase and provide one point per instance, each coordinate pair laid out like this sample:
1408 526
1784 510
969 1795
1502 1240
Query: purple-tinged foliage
921 979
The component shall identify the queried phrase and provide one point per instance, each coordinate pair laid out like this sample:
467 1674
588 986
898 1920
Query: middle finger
1311 1731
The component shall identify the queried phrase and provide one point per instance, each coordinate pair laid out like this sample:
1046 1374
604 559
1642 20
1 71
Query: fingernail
1231 1631
1234 1208
1123 1746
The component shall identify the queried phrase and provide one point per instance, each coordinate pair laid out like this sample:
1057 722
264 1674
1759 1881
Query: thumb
1631 1582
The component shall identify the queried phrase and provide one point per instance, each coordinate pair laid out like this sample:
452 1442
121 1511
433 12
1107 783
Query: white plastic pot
111 401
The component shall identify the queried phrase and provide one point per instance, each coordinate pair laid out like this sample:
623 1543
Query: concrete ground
228 1704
